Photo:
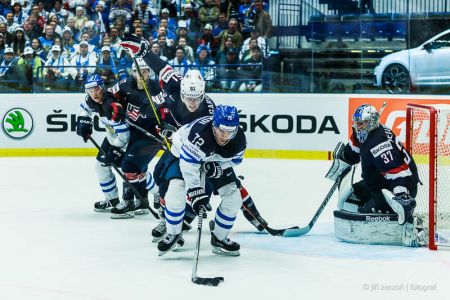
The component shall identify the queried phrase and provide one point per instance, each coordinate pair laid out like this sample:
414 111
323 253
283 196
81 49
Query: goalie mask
365 119
192 89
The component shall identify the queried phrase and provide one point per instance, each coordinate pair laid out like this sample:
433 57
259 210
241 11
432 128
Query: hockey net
428 141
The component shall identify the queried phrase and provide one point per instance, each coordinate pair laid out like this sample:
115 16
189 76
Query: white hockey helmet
141 63
192 88
365 119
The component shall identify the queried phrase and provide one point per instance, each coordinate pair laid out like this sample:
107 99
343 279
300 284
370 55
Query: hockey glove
84 128
213 169
198 198
135 45
114 156
166 130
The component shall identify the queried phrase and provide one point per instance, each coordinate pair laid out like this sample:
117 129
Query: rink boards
287 126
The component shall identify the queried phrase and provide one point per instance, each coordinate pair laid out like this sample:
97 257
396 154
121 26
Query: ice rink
54 246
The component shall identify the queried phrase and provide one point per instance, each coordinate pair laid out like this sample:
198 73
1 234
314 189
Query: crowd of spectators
58 43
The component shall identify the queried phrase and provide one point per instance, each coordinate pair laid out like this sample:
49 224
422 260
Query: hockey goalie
379 209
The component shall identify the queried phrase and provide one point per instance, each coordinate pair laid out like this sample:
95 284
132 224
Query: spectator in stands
146 14
220 25
91 30
182 32
232 9
101 18
6 35
222 54
262 20
260 41
188 51
207 40
208 13
170 33
106 66
67 43
10 22
171 24
54 22
156 48
166 46
18 41
19 16
48 38
80 17
5 7
180 63
59 72
40 10
37 48
85 38
139 32
71 24
246 18
2 46
61 13
192 23
107 42
85 63
205 65
31 28
162 31
252 74
120 11
228 71
366 6
232 32
29 66
7 65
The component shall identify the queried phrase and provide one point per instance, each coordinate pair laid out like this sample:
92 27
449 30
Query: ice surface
54 246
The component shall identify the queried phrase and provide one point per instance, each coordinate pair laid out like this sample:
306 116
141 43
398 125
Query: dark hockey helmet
225 123
365 119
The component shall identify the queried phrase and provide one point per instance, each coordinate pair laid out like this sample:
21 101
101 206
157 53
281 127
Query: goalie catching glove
135 45
339 166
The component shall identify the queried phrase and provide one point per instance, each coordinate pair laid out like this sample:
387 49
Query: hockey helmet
141 63
192 89
93 81
365 119
225 123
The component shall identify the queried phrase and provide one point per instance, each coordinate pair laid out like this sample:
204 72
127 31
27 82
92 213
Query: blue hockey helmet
365 119
226 119
93 81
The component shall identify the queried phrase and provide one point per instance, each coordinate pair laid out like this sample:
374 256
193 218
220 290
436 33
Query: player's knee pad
175 198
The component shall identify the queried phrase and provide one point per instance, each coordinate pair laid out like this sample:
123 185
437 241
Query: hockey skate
141 206
105 205
159 231
124 210
224 247
170 243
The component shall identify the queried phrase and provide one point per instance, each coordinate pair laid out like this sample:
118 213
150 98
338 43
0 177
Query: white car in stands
426 65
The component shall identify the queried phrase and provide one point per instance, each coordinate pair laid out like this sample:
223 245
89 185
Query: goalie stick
124 178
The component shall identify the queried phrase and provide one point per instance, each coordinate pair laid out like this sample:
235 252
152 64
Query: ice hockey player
366 209
141 149
100 102
184 101
217 138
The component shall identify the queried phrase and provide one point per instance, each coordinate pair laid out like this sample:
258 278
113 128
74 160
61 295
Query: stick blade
295 232
213 281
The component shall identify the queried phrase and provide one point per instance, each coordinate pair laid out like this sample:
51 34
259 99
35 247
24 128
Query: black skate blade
214 281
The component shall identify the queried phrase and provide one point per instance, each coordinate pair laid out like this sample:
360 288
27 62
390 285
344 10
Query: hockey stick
210 281
275 232
144 84
123 177
148 134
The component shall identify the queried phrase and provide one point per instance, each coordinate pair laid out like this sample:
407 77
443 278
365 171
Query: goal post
428 141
